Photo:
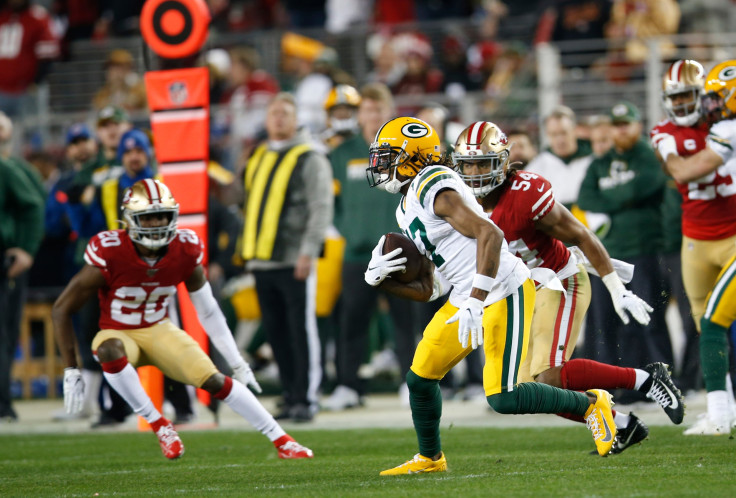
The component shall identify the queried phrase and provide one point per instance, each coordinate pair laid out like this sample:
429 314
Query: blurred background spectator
29 44
123 85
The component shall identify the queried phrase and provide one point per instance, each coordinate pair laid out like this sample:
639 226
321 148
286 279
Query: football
414 259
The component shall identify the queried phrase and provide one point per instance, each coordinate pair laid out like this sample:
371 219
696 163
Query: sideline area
380 411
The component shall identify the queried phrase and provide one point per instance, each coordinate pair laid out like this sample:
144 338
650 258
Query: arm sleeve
213 321
320 202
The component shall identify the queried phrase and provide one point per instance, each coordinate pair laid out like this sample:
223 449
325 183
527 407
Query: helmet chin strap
393 186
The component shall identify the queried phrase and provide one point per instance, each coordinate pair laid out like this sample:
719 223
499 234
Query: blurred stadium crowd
71 86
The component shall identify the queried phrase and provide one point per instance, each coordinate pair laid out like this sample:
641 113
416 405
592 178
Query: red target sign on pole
175 28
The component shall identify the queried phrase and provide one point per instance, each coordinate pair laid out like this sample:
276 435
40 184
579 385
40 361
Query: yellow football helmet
482 146
720 90
403 145
683 77
342 95
147 197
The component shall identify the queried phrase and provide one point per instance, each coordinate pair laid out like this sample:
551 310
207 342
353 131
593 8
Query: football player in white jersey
491 302
720 307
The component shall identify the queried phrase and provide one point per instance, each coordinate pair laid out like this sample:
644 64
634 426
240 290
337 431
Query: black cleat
632 434
662 390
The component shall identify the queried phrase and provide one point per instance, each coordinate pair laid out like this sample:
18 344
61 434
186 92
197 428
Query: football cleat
599 420
664 392
291 450
707 427
418 465
634 433
171 444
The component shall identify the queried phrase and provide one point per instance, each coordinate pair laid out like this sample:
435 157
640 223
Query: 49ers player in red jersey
708 202
136 271
537 228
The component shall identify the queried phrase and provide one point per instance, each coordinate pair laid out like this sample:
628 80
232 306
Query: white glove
624 300
382 265
73 390
470 316
665 145
243 374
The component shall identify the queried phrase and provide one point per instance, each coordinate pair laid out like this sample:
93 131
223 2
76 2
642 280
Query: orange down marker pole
179 104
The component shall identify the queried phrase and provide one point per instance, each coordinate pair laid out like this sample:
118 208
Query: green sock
425 400
534 397
713 355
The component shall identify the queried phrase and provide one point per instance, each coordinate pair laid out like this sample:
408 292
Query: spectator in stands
566 160
311 64
119 18
112 123
218 62
305 13
341 106
523 150
601 135
28 44
249 91
21 232
420 77
341 15
388 66
281 245
362 215
453 63
568 20
482 57
634 21
627 183
123 86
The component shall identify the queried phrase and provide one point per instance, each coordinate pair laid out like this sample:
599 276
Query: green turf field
495 462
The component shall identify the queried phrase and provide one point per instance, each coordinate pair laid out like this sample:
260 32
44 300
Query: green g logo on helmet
414 130
727 73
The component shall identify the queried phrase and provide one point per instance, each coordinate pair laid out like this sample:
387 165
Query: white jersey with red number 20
137 294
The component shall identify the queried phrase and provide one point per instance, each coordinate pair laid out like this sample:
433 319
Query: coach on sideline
288 208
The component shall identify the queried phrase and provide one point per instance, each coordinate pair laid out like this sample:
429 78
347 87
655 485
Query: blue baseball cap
77 131
133 139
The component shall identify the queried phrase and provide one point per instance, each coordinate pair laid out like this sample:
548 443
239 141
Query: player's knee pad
504 402
420 385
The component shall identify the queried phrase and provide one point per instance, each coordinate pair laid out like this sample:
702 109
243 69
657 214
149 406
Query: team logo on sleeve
414 130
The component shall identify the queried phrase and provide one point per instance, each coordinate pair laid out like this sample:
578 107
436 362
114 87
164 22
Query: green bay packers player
719 312
537 227
135 272
491 302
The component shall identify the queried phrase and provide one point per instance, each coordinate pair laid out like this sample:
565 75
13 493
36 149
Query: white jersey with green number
452 253
722 140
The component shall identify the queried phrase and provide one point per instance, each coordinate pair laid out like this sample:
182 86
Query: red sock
282 440
581 375
114 366
226 388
